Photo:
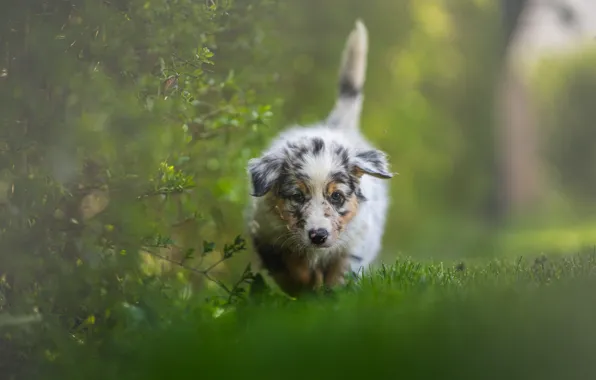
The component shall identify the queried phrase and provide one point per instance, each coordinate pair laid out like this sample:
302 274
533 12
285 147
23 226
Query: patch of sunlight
482 3
150 265
406 70
564 239
433 18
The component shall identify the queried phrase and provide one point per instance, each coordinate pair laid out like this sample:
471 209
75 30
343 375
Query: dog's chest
295 272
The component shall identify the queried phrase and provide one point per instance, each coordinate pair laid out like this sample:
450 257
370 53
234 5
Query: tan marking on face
277 206
331 187
302 186
351 207
358 172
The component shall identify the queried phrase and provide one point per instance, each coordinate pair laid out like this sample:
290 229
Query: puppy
319 195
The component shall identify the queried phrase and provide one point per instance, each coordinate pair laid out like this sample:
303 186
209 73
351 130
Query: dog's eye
337 197
297 197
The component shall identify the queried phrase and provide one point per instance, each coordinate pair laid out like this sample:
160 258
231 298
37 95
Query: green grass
516 319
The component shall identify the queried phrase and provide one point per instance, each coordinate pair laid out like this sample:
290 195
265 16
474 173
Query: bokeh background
483 106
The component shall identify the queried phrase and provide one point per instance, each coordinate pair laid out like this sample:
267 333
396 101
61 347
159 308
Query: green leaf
208 247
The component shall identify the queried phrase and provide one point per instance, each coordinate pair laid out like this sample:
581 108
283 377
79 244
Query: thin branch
246 275
209 268
166 191
204 272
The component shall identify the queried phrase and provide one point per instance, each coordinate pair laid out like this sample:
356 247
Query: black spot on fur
340 177
297 166
373 157
259 184
263 176
299 156
318 145
347 88
285 186
352 182
302 176
295 152
265 173
360 196
287 183
372 162
344 156
270 255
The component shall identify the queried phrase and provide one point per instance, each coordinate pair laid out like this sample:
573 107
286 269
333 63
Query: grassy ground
516 319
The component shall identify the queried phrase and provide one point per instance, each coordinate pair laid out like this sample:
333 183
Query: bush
115 147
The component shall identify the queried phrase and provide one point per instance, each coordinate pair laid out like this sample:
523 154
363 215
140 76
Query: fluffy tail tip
353 64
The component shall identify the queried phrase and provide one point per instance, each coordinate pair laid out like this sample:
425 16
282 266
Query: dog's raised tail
352 75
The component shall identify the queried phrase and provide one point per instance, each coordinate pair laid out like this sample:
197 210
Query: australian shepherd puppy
319 195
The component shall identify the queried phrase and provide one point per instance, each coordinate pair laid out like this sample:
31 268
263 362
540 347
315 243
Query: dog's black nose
318 236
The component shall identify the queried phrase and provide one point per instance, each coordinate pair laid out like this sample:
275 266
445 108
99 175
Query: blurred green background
494 156
428 104
487 149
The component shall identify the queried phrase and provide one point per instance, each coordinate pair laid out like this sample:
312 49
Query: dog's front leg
298 276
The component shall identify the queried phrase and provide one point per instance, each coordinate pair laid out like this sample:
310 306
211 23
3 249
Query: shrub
116 126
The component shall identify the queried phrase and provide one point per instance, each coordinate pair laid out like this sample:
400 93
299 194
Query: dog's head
313 186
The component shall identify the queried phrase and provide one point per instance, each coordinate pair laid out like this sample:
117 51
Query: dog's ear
264 173
372 162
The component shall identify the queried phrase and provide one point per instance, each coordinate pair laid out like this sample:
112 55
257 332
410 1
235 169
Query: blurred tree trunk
511 11
518 164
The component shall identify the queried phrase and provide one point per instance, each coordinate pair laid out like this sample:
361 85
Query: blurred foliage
116 148
434 67
565 87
